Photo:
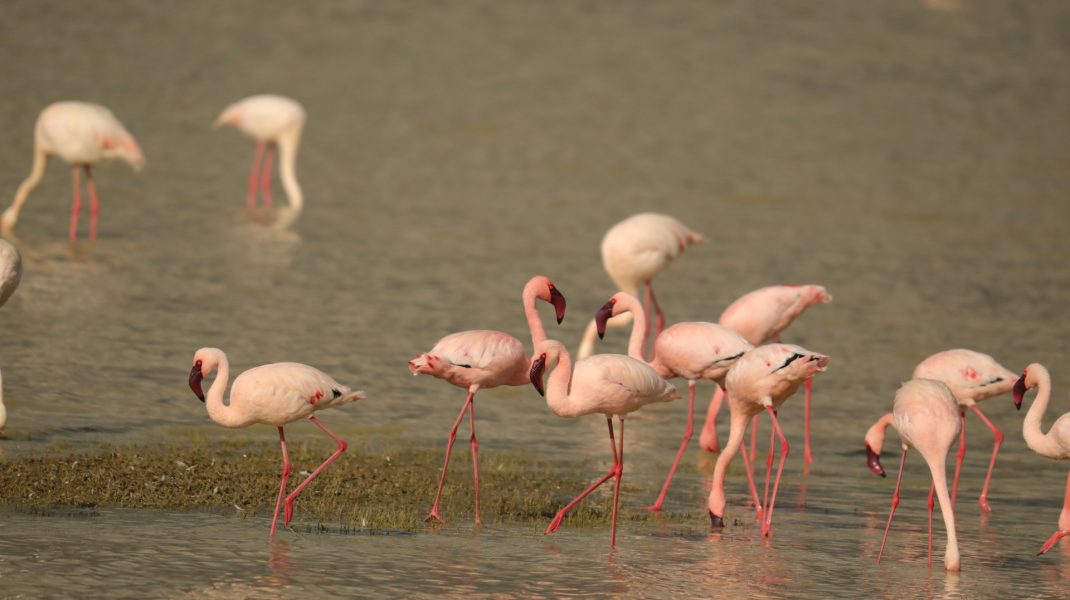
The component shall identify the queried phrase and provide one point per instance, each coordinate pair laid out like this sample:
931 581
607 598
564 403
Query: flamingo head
547 354
603 315
818 294
558 300
204 362
542 288
538 368
873 461
1020 388
195 377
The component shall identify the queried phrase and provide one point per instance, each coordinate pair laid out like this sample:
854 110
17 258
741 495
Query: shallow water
911 160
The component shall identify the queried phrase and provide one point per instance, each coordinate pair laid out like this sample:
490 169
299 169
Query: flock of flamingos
742 352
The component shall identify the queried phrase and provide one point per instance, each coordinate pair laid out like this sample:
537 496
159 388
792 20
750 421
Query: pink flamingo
692 350
633 252
275 394
971 377
82 134
274 122
925 415
608 384
10 275
484 359
1054 444
760 316
761 380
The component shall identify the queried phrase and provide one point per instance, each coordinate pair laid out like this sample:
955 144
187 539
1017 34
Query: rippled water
914 161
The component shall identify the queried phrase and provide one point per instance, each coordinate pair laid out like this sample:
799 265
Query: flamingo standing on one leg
971 377
275 394
274 122
925 415
761 380
633 252
484 359
82 134
609 384
693 350
759 316
10 275
1054 444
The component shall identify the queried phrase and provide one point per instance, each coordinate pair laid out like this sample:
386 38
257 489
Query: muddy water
911 160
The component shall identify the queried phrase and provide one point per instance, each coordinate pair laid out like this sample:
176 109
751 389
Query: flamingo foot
1054 539
983 501
655 507
767 528
555 523
437 518
716 522
288 512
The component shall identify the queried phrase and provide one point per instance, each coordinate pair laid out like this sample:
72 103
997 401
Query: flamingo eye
543 356
198 363
550 286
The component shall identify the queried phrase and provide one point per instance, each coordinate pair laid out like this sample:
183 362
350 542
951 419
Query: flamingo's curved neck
558 388
531 312
937 466
288 143
37 173
875 435
629 303
227 416
1036 439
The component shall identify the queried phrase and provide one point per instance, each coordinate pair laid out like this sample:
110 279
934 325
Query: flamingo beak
873 461
602 316
1019 392
558 300
195 377
538 366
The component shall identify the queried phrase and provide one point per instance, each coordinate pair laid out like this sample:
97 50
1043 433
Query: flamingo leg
342 445
475 453
615 471
707 438
750 483
895 503
76 203
767 529
94 202
769 464
807 456
683 446
1064 523
250 196
983 500
265 174
932 490
616 487
433 515
753 438
659 316
958 460
286 470
648 294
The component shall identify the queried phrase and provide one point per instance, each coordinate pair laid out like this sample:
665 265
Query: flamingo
10 274
1054 444
971 377
925 414
693 350
274 394
759 316
761 380
633 252
609 384
82 134
274 122
484 359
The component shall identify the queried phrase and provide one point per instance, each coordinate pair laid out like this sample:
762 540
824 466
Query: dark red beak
195 377
558 300
1019 392
873 461
604 314
538 366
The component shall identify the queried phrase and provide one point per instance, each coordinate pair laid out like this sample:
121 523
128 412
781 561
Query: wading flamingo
759 316
633 252
761 380
925 414
1054 444
971 377
275 394
10 274
484 358
82 134
274 122
692 350
608 384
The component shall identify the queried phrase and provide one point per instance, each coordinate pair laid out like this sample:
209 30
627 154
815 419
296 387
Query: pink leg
895 503
983 501
807 456
784 451
286 469
76 203
754 438
659 317
958 460
250 197
265 177
769 464
475 453
556 521
707 439
616 488
683 446
433 515
932 489
94 203
289 510
1064 523
750 483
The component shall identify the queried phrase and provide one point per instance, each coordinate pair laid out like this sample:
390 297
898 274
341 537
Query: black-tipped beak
716 522
601 317
1019 392
195 377
873 461
558 300
537 367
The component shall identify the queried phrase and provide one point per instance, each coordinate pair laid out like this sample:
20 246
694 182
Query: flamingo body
10 275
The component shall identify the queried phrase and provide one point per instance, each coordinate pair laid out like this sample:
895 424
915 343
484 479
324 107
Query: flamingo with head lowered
274 394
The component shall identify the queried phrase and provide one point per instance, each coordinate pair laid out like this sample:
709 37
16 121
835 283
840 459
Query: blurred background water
911 159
